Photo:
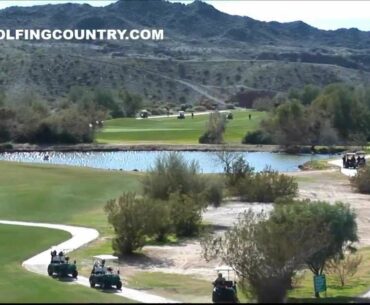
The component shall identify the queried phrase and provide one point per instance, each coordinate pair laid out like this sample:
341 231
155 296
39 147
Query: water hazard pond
143 160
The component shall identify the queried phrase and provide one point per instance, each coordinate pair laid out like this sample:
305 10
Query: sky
327 15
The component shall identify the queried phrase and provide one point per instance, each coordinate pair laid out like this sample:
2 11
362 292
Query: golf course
54 195
171 130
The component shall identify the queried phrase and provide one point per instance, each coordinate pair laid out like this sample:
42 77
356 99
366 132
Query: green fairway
19 286
58 194
175 131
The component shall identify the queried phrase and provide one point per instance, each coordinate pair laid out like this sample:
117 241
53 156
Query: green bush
134 219
214 192
361 182
186 213
172 173
267 186
257 137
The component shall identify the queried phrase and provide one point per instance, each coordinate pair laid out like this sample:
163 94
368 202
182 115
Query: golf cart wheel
119 285
50 272
75 274
92 284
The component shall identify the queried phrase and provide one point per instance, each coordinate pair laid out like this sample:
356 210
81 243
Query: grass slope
19 286
58 194
175 131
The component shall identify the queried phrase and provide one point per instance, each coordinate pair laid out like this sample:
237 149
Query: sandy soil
185 258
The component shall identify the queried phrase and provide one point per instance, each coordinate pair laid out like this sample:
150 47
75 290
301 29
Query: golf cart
349 160
144 114
360 157
224 290
60 265
103 275
229 116
181 115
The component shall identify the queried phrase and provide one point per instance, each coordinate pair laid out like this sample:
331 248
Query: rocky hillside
207 54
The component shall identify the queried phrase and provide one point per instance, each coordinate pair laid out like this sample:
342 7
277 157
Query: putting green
174 131
19 286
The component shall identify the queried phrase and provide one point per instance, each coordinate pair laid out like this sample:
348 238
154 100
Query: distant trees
26 117
337 114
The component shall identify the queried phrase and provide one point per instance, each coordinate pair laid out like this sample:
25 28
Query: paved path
187 115
80 236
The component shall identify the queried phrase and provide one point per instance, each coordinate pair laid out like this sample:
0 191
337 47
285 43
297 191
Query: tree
288 125
132 103
340 220
215 129
265 252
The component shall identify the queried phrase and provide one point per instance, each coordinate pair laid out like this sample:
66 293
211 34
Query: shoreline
12 148
140 147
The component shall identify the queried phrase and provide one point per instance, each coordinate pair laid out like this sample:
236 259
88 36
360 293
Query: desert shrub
257 137
200 108
267 186
134 219
172 173
186 213
344 268
361 181
6 146
214 191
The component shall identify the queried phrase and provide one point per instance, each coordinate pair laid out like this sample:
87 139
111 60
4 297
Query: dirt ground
185 258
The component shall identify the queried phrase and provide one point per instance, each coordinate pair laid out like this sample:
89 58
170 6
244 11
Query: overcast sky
322 14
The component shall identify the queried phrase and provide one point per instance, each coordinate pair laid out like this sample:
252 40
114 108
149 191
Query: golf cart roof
224 268
106 257
350 154
360 152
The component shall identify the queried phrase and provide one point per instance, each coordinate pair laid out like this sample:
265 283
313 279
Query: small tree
265 253
339 218
215 129
344 268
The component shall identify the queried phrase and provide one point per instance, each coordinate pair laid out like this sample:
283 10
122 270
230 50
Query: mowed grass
175 131
354 287
57 194
184 288
19 286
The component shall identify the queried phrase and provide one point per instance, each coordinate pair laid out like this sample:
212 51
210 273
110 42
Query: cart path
350 172
80 236
176 115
